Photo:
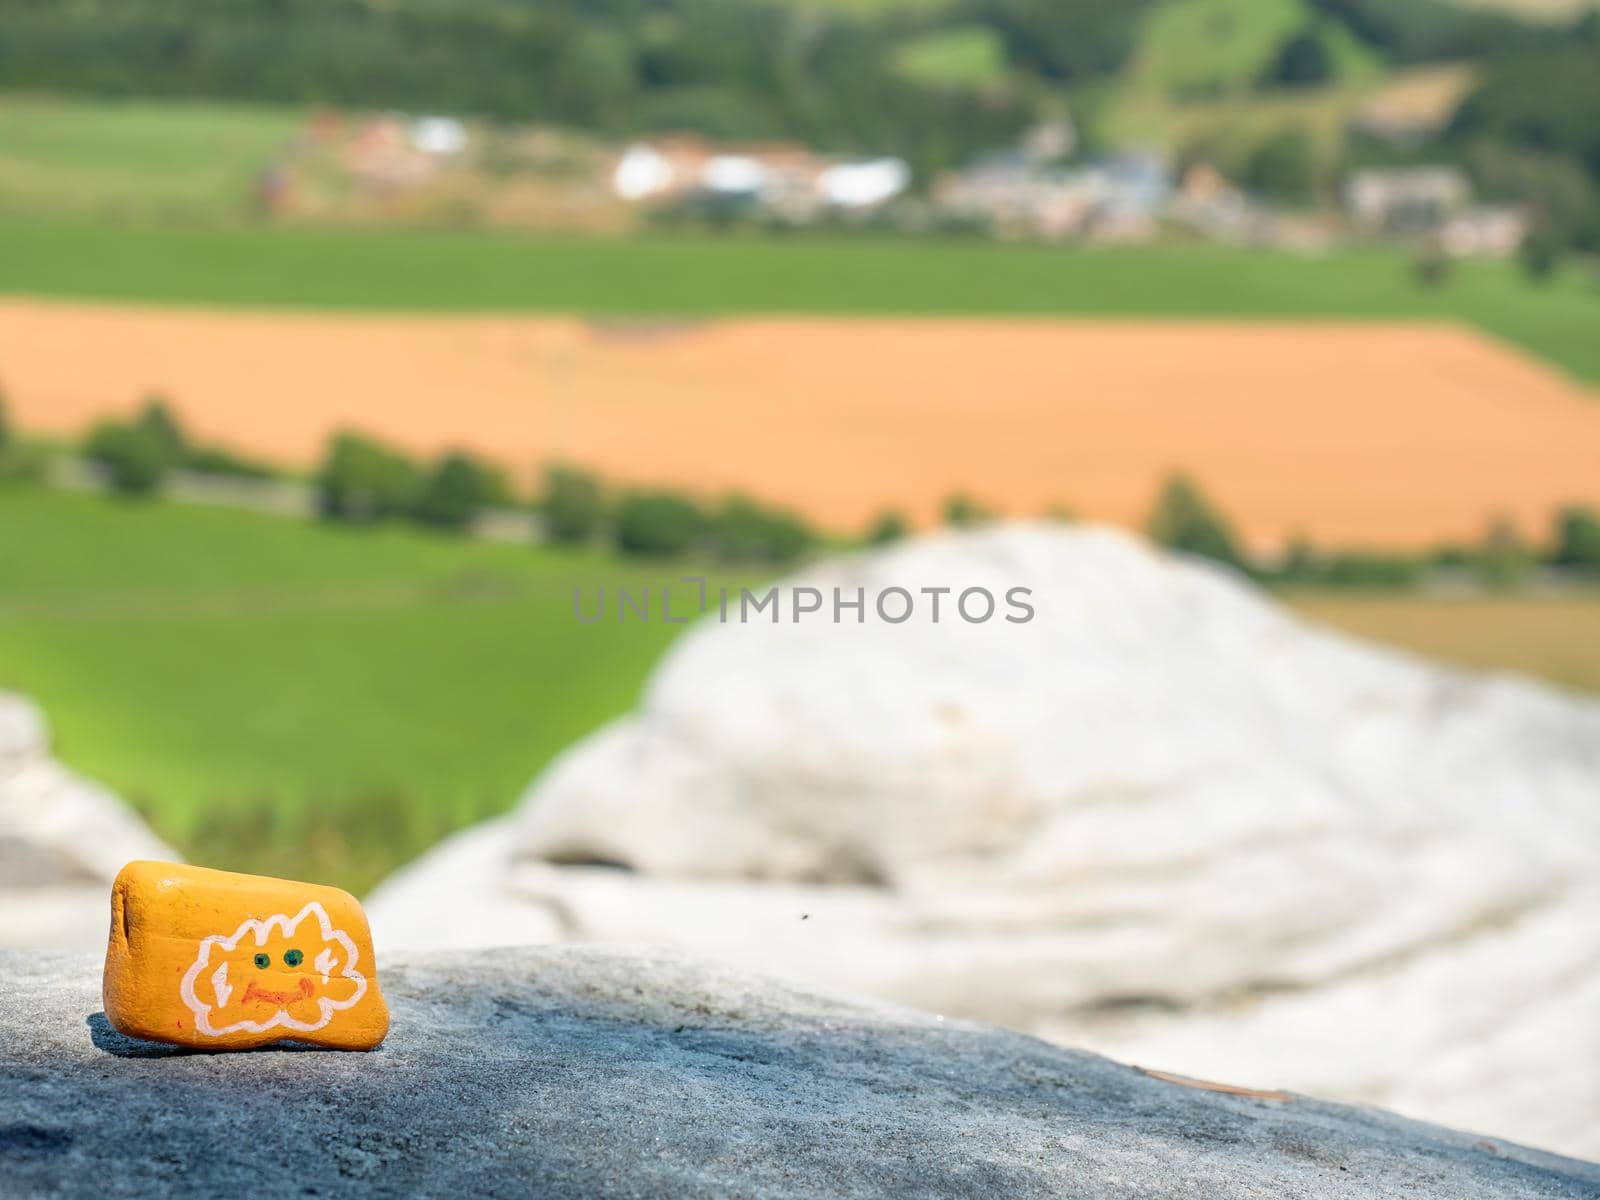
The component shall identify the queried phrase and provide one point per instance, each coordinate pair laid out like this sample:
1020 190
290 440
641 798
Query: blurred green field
191 162
964 56
702 275
305 699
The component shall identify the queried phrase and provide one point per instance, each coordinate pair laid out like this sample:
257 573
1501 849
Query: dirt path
1375 434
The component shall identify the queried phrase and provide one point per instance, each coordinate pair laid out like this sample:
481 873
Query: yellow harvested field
1422 96
1375 434
1556 638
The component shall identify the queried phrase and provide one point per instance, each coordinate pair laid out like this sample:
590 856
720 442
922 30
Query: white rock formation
1164 819
62 841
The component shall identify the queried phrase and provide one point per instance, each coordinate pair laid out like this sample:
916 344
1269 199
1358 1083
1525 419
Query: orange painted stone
224 962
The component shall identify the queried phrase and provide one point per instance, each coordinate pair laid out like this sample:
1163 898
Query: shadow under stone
106 1038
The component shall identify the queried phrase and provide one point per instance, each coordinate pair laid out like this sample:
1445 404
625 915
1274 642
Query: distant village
438 168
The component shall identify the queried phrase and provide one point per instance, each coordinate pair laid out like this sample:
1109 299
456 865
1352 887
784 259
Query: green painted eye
263 960
291 958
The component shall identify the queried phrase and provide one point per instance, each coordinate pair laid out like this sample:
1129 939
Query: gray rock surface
612 1073
62 841
1166 820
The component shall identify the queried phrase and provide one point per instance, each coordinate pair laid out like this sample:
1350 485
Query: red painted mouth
255 992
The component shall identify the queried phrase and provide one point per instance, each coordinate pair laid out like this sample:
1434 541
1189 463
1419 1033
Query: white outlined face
283 972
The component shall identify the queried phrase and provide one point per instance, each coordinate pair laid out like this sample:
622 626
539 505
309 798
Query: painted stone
222 961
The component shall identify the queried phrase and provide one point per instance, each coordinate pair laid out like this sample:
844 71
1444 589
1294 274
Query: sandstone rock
223 961
62 841
1165 819
567 1072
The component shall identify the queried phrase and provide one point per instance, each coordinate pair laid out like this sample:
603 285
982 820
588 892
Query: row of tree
138 454
361 480
1185 520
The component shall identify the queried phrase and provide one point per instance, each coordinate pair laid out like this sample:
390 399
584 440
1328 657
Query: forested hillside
934 82
729 68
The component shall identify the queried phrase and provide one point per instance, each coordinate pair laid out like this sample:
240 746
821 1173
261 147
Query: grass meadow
961 57
315 701
165 160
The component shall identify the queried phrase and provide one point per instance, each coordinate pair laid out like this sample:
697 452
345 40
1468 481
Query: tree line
362 481
1185 520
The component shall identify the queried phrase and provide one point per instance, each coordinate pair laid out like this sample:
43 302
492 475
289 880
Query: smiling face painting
222 961
289 972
